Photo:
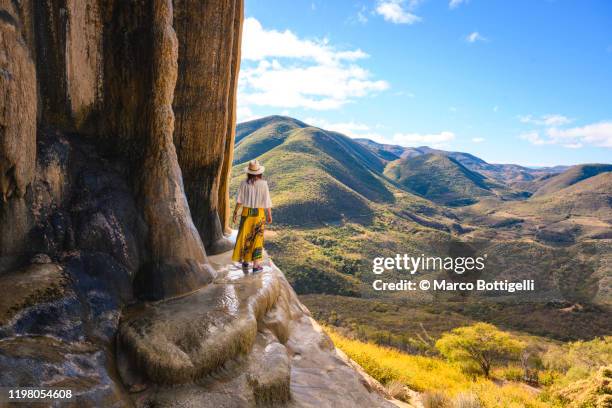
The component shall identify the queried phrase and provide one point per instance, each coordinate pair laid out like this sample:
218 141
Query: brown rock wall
204 97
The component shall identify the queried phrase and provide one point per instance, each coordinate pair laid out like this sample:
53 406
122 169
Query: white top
254 195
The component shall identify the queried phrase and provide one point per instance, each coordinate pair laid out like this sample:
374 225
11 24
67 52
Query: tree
481 343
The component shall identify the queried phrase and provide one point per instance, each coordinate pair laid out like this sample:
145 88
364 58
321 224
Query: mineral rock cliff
116 144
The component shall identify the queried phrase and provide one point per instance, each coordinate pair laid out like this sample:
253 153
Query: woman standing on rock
254 197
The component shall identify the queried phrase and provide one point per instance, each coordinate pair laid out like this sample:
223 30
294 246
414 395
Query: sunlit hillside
578 379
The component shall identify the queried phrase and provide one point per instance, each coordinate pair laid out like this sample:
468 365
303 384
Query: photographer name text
444 285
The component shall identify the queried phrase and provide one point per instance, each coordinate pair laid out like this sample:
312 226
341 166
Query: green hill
439 178
389 152
316 176
333 207
582 211
570 177
589 197
340 203
263 135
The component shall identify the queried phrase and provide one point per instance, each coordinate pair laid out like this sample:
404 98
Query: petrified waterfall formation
116 143
107 72
204 105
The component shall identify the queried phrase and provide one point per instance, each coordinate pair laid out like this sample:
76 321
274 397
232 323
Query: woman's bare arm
269 213
235 216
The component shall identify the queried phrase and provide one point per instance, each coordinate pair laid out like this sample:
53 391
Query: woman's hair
252 177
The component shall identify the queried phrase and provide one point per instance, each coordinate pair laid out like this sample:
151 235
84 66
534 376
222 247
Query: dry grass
398 390
466 400
435 399
440 382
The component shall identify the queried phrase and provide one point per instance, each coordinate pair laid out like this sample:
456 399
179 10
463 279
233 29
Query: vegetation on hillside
341 203
538 380
571 176
336 209
414 325
439 178
481 345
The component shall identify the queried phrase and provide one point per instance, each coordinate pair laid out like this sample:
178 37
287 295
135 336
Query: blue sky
521 81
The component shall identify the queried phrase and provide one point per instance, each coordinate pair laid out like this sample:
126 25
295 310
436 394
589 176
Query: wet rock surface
222 346
183 339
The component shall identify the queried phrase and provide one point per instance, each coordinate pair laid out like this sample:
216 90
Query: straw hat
255 168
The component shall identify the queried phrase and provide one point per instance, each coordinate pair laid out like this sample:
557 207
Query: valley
341 204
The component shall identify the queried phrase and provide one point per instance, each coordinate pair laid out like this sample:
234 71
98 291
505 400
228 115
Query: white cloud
573 145
352 129
437 140
362 18
546 120
282 70
362 15
244 114
361 130
456 3
534 138
397 12
496 108
259 44
478 139
475 37
596 134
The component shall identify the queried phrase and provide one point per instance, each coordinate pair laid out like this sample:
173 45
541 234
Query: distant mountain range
443 177
507 173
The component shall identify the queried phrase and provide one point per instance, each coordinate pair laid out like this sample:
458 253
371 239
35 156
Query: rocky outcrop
109 207
243 341
60 310
18 116
69 60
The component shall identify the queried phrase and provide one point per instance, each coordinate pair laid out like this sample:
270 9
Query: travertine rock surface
204 104
229 345
177 261
116 141
228 156
18 106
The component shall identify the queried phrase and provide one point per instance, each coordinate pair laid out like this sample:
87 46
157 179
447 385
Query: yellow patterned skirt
250 239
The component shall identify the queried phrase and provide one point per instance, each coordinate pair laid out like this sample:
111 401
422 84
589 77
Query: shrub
437 379
512 373
589 355
547 377
595 391
481 343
